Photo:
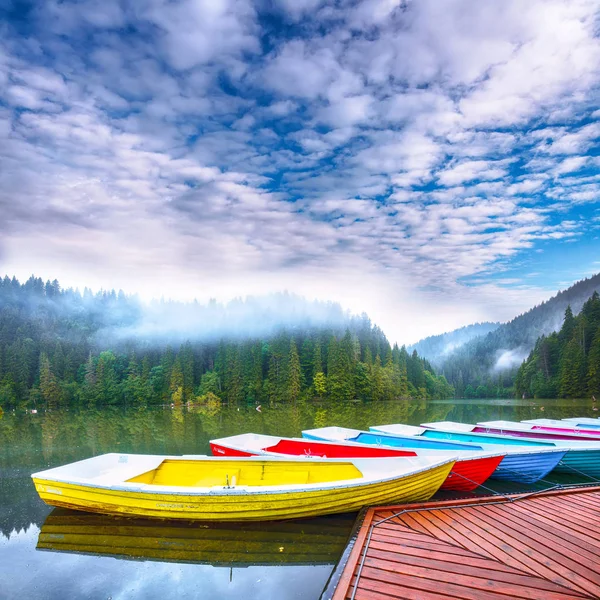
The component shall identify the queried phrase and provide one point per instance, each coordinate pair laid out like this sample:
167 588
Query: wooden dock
544 545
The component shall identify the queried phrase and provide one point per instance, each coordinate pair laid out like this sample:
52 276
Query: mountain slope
565 364
490 361
438 347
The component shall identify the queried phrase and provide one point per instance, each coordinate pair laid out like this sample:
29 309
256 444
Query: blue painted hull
520 467
528 467
585 461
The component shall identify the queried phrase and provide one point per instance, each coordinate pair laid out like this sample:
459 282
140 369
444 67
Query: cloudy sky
432 163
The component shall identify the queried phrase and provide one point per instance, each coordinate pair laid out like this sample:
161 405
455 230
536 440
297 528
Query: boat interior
207 473
323 449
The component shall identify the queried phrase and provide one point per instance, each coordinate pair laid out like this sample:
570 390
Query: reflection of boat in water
301 542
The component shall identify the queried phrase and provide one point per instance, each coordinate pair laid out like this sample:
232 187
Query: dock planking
535 546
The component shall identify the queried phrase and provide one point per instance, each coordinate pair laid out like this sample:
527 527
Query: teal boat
581 457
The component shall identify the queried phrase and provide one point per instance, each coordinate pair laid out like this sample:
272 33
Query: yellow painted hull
243 506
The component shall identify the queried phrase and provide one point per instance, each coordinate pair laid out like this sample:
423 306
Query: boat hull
581 461
239 505
528 467
585 461
536 434
467 473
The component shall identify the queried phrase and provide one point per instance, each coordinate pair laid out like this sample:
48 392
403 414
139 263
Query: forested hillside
62 348
565 364
487 365
438 347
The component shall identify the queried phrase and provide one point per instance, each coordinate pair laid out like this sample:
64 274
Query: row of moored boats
328 470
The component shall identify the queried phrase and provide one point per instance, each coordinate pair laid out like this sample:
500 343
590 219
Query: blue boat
581 457
521 464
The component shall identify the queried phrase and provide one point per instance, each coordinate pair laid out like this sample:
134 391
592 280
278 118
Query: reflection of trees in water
30 443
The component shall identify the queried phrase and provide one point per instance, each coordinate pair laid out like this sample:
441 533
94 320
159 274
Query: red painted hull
219 450
469 473
466 475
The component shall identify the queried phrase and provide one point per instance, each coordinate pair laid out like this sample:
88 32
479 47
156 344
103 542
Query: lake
65 554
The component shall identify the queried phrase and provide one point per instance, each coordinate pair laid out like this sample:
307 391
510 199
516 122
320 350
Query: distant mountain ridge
438 347
490 360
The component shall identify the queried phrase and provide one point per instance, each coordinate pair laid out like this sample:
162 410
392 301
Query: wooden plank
346 576
422 543
490 568
411 519
561 570
473 537
580 546
406 582
432 555
541 546
577 512
558 526
561 521
498 548
589 499
421 520
527 587
377 590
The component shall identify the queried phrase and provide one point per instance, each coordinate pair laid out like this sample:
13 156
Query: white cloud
404 144
470 170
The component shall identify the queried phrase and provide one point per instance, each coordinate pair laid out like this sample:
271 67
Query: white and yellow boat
237 489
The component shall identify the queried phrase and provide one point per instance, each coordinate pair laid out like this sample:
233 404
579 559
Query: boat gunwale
474 454
578 445
41 478
262 451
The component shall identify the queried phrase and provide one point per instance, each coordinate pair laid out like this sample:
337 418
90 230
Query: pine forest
565 364
61 348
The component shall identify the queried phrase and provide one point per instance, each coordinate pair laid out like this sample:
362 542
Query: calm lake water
64 554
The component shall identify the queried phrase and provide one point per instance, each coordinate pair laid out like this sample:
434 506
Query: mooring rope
578 471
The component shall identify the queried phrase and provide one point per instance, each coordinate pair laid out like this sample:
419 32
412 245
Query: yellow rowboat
317 541
237 489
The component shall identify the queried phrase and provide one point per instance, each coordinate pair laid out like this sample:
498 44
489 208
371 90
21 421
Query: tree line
52 354
474 370
565 364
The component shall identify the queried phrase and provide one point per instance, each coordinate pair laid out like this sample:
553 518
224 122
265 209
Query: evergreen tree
572 371
49 387
593 372
294 373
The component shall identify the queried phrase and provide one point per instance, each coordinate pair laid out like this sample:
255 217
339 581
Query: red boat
470 470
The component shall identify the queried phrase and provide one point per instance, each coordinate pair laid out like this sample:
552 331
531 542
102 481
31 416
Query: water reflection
318 541
27 573
104 568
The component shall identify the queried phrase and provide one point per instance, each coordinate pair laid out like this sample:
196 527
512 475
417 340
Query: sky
431 163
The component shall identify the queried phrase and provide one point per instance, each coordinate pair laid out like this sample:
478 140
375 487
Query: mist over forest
482 360
65 347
